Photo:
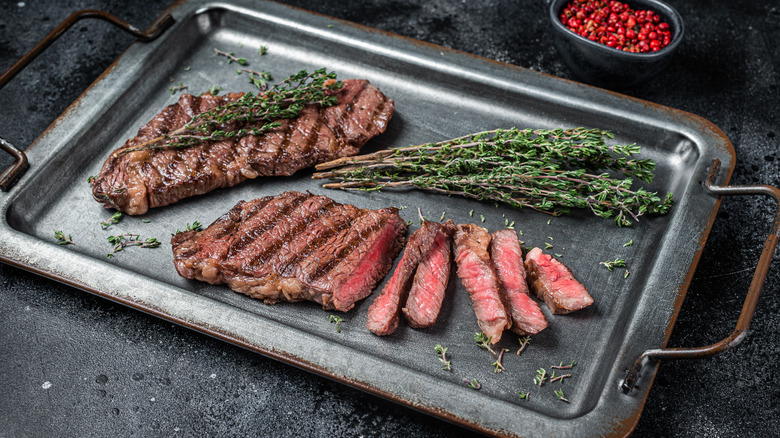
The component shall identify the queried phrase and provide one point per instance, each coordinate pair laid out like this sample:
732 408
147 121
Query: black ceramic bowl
600 65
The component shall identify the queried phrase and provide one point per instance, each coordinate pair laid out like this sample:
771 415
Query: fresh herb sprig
551 171
442 353
561 397
113 220
473 383
523 343
612 264
284 100
123 241
483 341
231 57
257 78
195 226
338 320
62 239
498 365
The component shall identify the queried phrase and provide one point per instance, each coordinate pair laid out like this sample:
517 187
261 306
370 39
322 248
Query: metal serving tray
439 94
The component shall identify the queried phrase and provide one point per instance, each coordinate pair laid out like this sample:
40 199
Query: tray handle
749 306
10 175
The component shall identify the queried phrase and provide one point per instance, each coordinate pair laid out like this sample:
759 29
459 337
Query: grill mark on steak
275 245
258 224
356 239
350 250
136 181
336 225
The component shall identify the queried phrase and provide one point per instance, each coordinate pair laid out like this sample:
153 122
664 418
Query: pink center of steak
429 285
480 281
507 256
553 282
384 312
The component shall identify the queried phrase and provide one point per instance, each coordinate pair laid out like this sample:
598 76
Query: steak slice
430 282
554 283
385 311
507 256
136 181
479 278
294 247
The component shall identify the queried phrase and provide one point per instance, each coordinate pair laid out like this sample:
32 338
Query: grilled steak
136 181
527 317
554 283
479 278
294 247
430 282
385 312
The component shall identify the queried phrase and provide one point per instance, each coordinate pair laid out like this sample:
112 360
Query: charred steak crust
294 247
479 278
136 181
385 311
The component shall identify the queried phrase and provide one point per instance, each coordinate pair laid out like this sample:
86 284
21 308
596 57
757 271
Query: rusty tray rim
10 254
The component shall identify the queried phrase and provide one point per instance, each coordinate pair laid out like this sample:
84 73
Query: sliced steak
294 247
136 181
507 256
430 281
554 283
385 312
480 280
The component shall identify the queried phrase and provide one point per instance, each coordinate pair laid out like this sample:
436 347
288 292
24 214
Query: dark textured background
72 364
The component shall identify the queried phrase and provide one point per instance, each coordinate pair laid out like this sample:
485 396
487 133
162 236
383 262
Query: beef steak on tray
294 247
136 181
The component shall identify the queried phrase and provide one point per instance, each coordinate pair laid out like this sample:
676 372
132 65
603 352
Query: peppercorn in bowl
615 44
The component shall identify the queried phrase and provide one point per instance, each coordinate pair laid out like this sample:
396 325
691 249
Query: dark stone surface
75 365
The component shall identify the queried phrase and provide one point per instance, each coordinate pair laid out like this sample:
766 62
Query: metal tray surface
439 94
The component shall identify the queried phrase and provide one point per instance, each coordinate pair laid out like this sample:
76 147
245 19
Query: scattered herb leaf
524 395
338 320
629 243
61 239
559 394
523 343
442 353
123 241
113 220
483 341
473 383
617 263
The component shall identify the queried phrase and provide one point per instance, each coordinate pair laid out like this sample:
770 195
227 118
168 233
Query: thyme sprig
523 395
195 226
541 376
612 264
233 119
498 365
561 397
231 57
473 383
442 353
483 341
257 78
338 320
113 220
61 239
551 171
523 343
123 241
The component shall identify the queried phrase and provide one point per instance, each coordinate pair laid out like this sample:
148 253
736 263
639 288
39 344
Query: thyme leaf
559 394
617 263
251 114
113 220
123 241
61 239
442 353
523 395
473 383
551 171
338 320
483 341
